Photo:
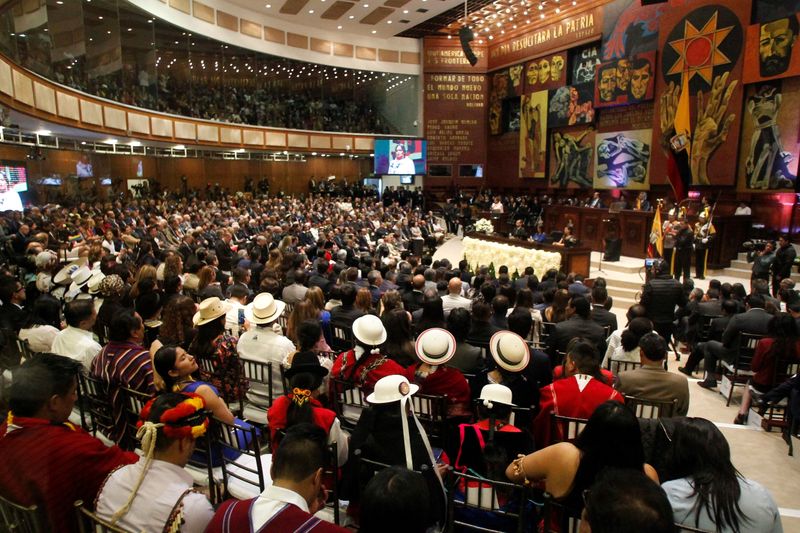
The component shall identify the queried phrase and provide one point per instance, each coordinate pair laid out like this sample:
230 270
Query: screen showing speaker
83 168
15 176
470 171
406 157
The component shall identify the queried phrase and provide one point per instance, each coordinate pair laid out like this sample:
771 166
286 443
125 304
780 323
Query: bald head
418 282
454 286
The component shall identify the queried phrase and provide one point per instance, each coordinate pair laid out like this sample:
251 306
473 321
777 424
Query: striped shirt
123 364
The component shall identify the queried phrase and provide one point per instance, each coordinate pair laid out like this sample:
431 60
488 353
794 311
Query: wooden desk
575 259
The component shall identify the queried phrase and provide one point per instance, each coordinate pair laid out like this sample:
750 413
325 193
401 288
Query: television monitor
406 180
401 156
83 168
52 181
105 181
15 174
470 171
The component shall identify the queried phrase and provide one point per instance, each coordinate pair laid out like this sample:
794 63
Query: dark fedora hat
307 362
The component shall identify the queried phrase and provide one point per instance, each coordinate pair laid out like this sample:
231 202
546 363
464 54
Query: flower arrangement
484 225
478 252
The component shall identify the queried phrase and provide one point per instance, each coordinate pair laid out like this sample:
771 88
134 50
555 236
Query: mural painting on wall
768 154
502 88
546 72
572 158
629 29
570 105
533 135
622 160
767 10
626 80
704 45
584 63
772 50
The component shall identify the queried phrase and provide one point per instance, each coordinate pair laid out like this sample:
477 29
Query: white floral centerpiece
484 225
478 252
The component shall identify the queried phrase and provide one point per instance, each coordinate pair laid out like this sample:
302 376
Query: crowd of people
171 297
278 105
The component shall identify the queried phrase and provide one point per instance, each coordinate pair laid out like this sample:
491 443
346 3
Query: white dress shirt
40 338
270 502
77 344
162 487
264 345
451 301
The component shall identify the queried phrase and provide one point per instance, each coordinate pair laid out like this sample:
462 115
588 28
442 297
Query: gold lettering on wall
574 28
455 117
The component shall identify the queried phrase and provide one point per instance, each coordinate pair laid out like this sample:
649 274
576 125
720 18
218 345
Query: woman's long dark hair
637 328
783 330
164 361
399 344
611 428
46 312
700 452
203 343
299 414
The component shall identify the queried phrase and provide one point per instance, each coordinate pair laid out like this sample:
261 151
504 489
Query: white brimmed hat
80 277
64 275
264 309
392 388
369 330
495 393
191 281
435 346
210 309
94 282
509 350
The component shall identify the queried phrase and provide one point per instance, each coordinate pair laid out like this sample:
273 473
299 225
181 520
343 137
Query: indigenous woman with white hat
388 432
511 355
212 342
364 365
435 347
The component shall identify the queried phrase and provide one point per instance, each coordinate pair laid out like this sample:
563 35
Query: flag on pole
678 169
655 248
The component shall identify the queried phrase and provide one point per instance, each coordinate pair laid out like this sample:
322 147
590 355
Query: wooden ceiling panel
396 3
336 10
377 15
293 7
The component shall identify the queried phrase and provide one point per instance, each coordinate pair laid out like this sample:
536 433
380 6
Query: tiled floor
756 454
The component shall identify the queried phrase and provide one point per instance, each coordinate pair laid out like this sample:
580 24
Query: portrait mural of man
768 159
622 160
616 84
533 135
584 63
571 159
772 49
570 105
546 72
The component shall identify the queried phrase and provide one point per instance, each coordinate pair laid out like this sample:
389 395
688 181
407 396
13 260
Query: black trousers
668 258
700 257
683 263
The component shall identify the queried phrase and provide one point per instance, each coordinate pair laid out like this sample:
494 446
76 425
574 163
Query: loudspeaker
613 250
466 36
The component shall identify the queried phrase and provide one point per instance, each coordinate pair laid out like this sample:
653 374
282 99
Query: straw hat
80 277
209 310
435 346
369 330
95 281
191 281
495 393
264 309
510 351
392 388
63 275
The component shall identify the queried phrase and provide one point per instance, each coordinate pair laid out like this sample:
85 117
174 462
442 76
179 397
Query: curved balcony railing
114 50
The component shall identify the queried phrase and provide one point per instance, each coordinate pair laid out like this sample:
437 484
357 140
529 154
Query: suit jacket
576 326
755 320
654 383
413 300
579 289
294 293
322 282
481 331
604 317
467 358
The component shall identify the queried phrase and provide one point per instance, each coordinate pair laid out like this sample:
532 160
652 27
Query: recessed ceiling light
338 27
43 132
179 147
366 5
100 17
351 17
60 2
268 6
310 11
374 31
111 141
388 22
405 11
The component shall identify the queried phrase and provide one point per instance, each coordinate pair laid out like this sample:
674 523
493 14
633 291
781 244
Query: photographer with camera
762 255
782 265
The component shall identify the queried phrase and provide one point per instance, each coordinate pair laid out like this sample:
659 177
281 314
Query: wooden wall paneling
45 98
68 106
23 88
6 82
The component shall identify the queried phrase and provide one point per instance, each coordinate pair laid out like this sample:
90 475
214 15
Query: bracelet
520 470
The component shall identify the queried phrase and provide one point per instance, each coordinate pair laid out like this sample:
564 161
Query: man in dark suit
718 325
578 324
412 300
375 280
600 314
660 297
522 281
755 320
320 277
481 329
13 314
344 315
